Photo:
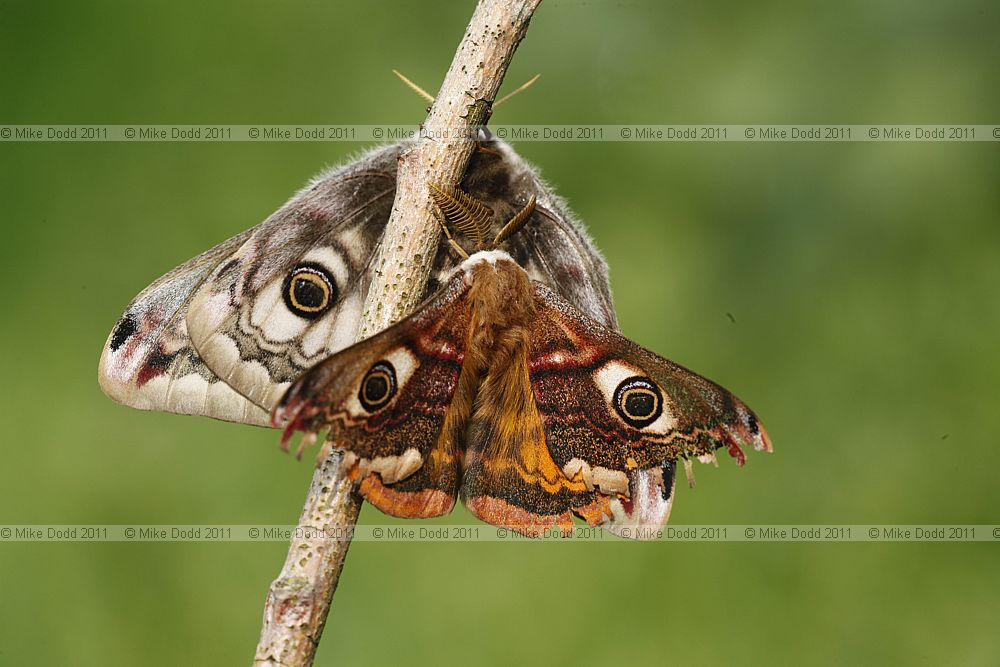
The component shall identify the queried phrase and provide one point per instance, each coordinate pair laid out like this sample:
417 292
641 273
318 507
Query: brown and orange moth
509 385
499 390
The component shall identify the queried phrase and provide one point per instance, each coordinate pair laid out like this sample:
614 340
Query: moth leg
689 472
482 147
451 241
307 440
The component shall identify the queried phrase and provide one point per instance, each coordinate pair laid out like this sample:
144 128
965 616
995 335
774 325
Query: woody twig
298 601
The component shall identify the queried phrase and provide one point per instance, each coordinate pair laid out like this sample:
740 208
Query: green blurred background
862 278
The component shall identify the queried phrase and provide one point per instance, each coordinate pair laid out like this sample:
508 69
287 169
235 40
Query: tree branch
441 155
299 599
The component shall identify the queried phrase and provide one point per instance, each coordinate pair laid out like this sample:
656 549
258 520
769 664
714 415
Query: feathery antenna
515 224
466 213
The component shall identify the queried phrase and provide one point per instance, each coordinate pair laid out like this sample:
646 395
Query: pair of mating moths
509 384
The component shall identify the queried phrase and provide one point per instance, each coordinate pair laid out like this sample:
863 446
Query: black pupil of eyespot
376 388
640 403
308 293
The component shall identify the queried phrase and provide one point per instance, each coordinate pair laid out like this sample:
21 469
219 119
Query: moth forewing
225 333
610 405
148 360
392 402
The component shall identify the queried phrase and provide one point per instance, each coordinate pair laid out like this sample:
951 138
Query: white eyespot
382 383
634 398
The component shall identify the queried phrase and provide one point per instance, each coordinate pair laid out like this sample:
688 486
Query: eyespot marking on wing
638 401
309 290
378 387
382 383
634 398
315 304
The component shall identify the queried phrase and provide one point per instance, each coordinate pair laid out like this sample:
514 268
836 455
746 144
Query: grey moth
225 334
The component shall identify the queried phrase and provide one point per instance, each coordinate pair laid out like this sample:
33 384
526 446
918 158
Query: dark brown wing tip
294 412
745 430
753 431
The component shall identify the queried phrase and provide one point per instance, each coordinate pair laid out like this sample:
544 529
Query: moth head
474 219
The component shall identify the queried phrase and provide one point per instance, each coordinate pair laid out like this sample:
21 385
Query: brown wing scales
620 416
387 401
500 388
